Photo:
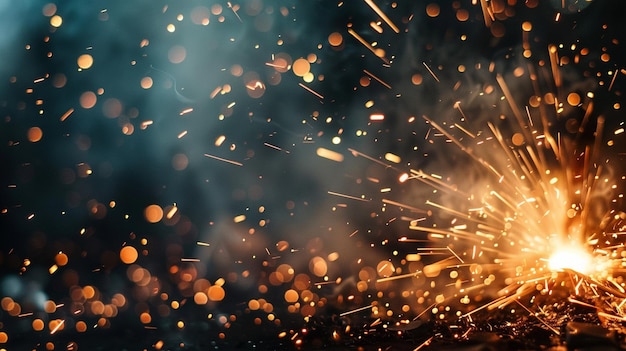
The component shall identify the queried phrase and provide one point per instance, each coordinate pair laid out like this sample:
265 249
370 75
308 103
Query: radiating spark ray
382 15
358 153
424 344
224 160
347 196
189 260
470 134
56 328
516 112
454 253
367 45
311 91
436 182
408 207
377 79
613 79
487 13
271 146
400 276
66 114
355 310
555 331
230 6
554 64
431 71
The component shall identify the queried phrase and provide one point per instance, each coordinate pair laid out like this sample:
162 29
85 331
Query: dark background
49 205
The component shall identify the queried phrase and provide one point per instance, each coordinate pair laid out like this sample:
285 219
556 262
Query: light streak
368 45
66 114
348 196
431 71
311 91
382 15
377 79
224 160
355 310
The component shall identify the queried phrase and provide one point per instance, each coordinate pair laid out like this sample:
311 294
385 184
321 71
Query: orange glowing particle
4 337
88 99
605 57
146 82
56 21
50 306
177 54
534 101
527 26
254 305
216 293
97 307
216 9
318 266
462 15
517 139
61 259
56 325
335 39
329 154
128 254
200 298
573 99
301 67
416 79
145 318
35 134
85 61
385 268
49 10
433 10
38 324
81 326
291 296
153 213
236 70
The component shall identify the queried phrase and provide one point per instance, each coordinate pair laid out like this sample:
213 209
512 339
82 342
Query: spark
272 146
56 327
355 310
230 6
431 71
613 79
224 160
408 207
369 46
424 344
311 91
347 196
382 15
377 79
186 111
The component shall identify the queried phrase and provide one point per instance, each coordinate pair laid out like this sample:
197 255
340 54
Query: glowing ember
572 257
266 175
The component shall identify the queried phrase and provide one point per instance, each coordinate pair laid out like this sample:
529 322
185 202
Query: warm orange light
571 257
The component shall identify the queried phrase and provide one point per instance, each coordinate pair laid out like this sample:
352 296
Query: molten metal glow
571 257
